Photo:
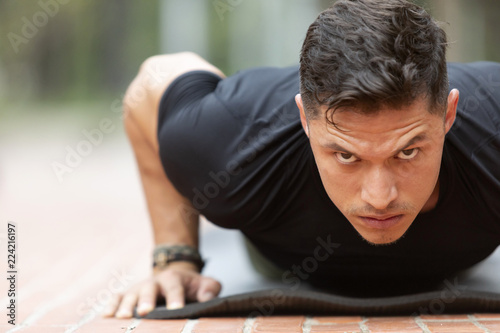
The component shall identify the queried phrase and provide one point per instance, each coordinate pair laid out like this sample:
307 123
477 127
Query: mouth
381 222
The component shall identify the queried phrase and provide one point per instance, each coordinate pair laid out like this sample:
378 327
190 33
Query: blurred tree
82 49
492 38
53 49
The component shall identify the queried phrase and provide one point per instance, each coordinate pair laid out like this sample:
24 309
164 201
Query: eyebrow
416 139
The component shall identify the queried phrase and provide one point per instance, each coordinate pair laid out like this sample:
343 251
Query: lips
381 221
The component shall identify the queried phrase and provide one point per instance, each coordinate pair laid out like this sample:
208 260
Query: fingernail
206 296
174 305
144 308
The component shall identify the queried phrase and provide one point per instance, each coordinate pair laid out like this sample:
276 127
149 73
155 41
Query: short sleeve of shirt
186 89
226 144
189 124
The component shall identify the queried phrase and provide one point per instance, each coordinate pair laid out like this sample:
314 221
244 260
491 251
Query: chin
383 237
381 240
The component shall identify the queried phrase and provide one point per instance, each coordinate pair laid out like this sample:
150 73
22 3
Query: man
364 161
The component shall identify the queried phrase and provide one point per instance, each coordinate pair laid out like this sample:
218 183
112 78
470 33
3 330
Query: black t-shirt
236 148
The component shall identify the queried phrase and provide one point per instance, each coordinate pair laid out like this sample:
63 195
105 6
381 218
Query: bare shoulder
158 72
142 99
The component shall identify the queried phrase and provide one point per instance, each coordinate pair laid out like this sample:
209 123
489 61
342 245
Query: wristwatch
164 254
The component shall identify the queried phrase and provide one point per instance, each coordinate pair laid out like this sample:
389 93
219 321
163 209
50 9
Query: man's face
381 170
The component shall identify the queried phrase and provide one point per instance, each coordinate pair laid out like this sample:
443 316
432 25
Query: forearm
174 220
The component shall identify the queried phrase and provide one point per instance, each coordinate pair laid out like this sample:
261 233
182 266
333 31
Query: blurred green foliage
75 50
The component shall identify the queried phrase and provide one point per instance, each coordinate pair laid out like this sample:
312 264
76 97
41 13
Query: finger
147 299
112 305
209 288
173 291
127 305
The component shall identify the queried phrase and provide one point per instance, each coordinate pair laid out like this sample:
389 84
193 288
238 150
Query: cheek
419 179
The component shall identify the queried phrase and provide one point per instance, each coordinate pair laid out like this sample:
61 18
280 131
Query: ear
303 119
451 111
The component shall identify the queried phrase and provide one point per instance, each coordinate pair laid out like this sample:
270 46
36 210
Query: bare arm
174 219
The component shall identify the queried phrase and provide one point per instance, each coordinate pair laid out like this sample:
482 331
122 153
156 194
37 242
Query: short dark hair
367 54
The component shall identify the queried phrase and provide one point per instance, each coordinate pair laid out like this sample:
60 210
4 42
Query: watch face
161 258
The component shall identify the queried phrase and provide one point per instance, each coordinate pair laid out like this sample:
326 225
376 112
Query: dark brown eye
408 154
346 157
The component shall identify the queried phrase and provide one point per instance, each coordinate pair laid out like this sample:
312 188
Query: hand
180 281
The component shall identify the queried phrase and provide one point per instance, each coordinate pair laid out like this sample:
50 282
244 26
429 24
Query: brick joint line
248 324
188 327
457 320
421 324
362 325
133 325
88 317
474 320
306 325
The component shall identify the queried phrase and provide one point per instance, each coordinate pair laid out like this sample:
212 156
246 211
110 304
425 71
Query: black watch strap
165 254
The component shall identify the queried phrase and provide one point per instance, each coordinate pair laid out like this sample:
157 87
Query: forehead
379 131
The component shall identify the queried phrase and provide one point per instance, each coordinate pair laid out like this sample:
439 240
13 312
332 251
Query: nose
379 188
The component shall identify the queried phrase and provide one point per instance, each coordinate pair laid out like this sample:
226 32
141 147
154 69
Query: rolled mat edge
285 301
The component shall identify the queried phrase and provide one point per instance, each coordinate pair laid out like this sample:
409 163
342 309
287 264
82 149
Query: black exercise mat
282 301
246 293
